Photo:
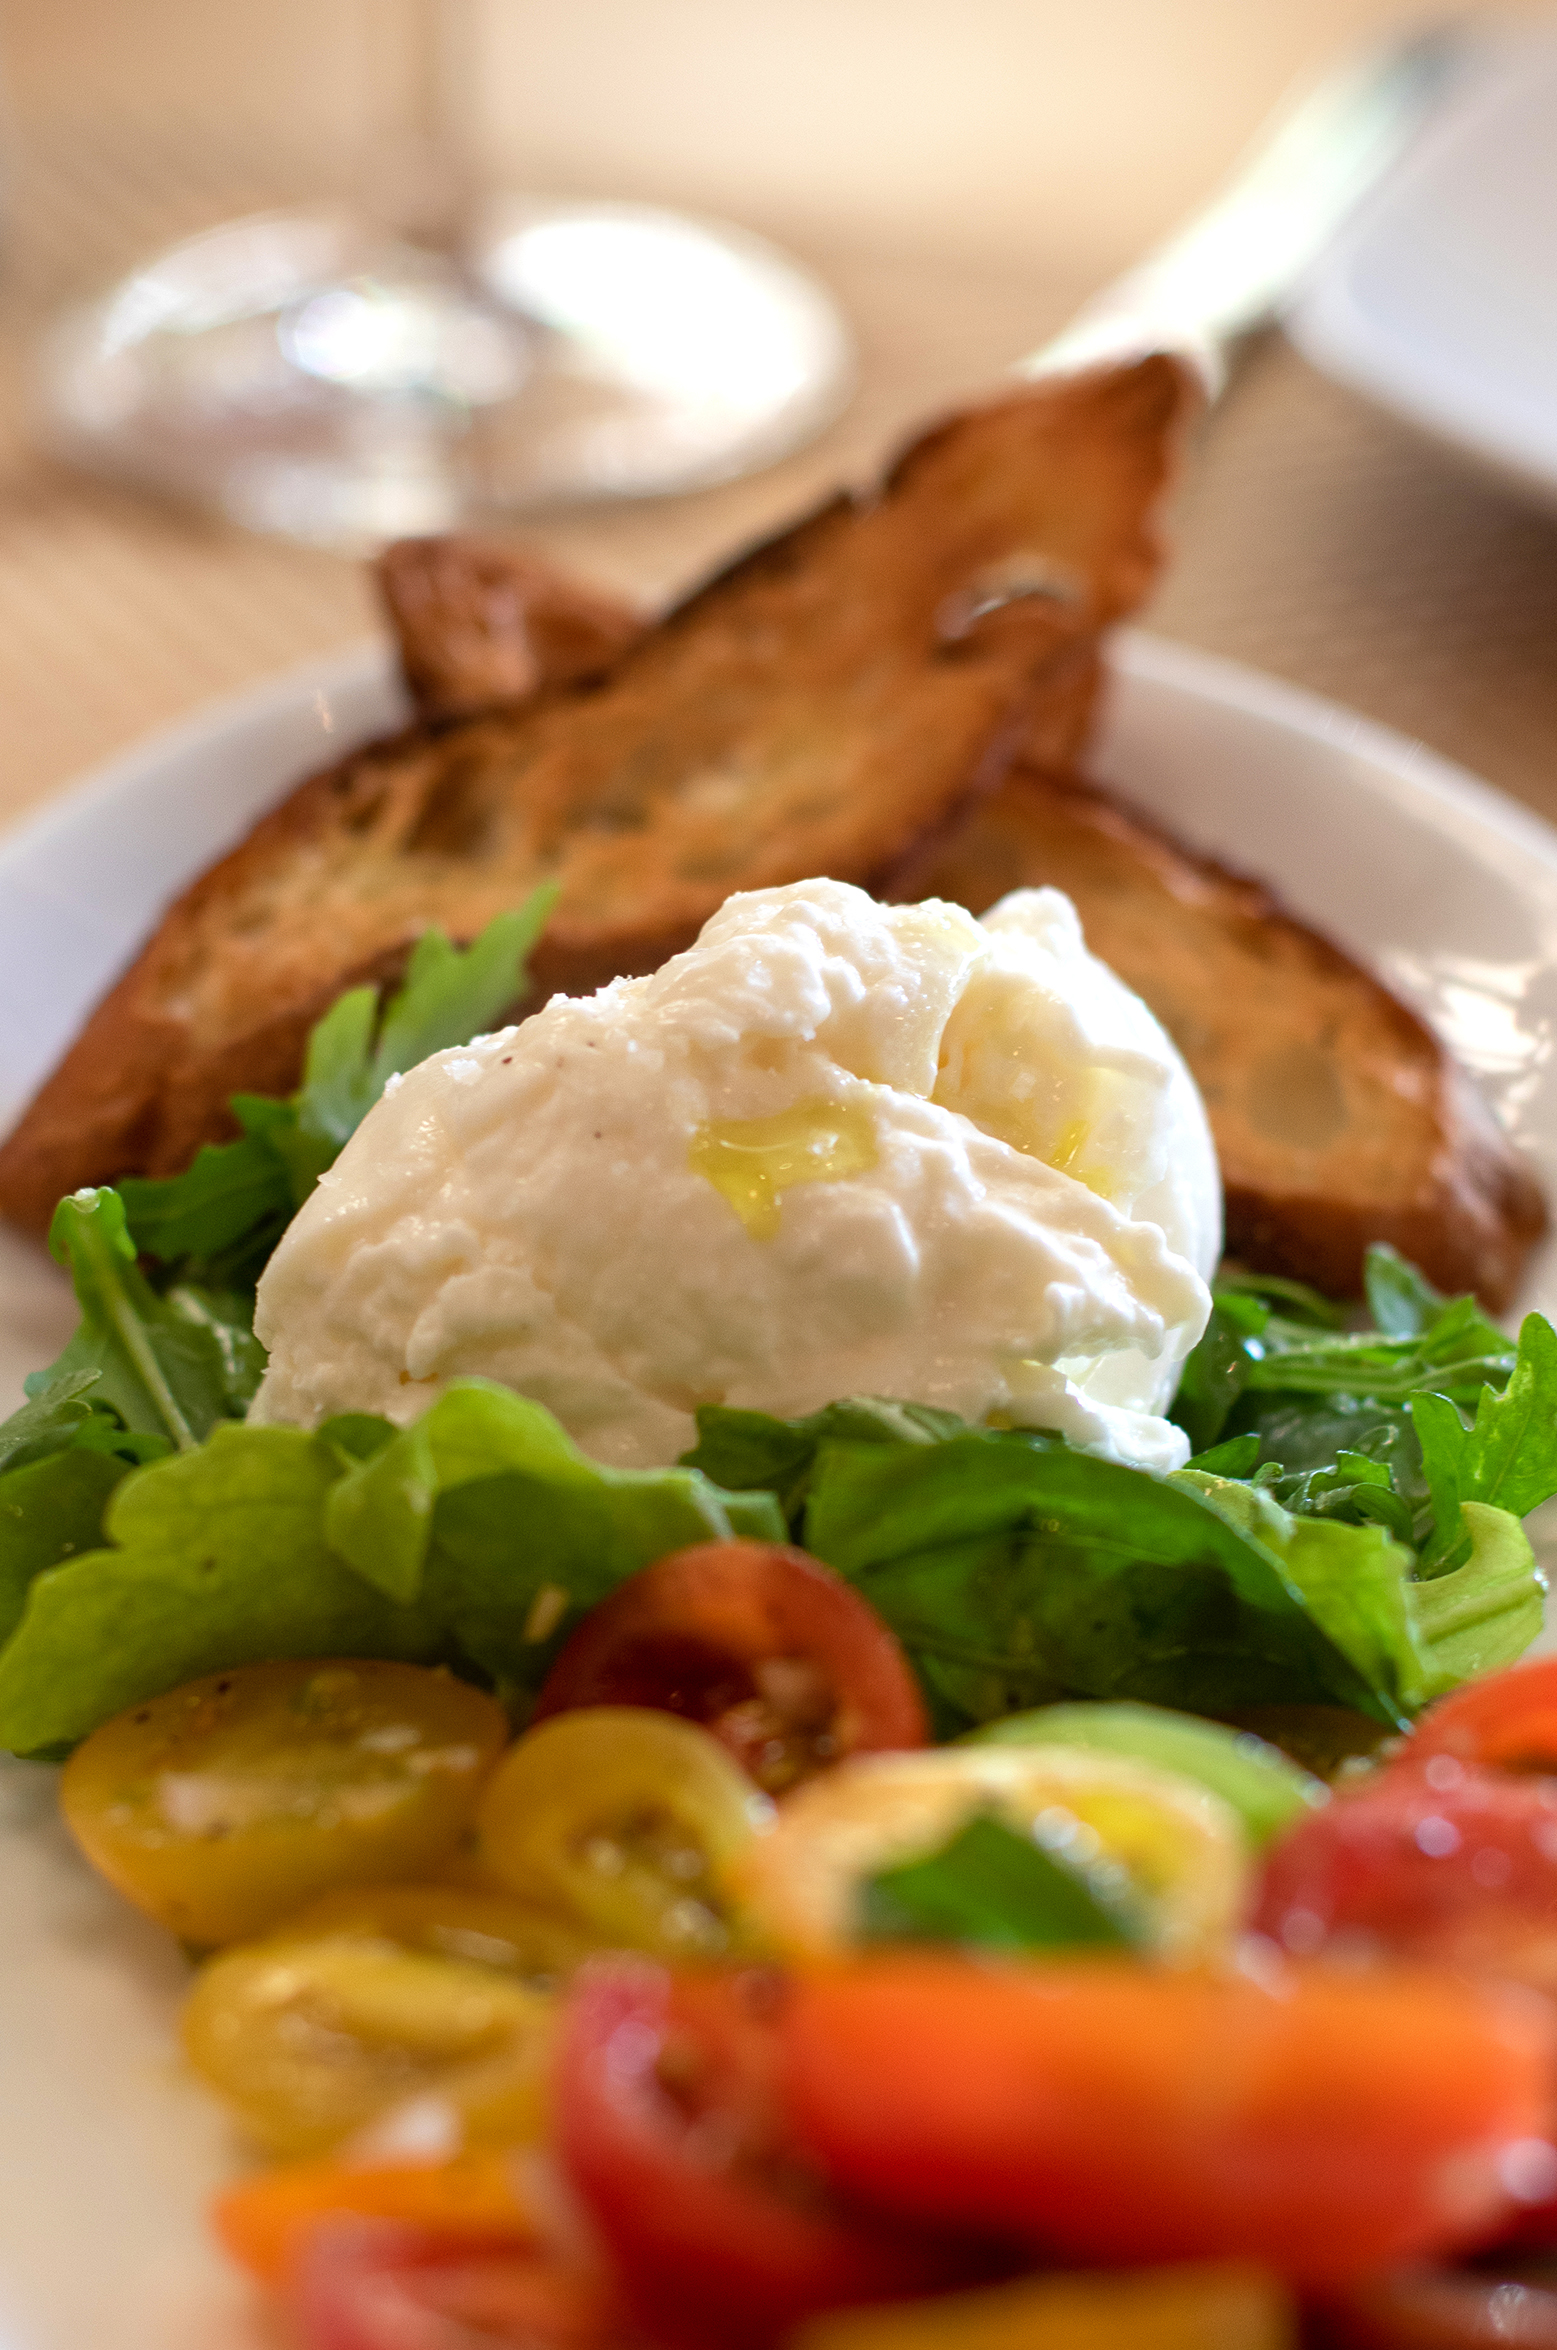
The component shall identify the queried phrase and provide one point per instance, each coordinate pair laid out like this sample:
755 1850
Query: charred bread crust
481 625
834 701
1340 1119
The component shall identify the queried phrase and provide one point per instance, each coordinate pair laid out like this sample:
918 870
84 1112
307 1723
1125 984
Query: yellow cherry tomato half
1179 1847
452 1921
309 2041
223 1805
626 1821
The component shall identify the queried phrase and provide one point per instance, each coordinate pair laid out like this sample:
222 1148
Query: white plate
1441 299
106 2153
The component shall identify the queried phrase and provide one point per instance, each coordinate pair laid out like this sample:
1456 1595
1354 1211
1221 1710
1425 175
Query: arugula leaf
222 1217
993 1889
1215 1375
1353 1581
1412 1639
233 1201
1506 1456
58 1409
169 1366
1402 1301
1269 1290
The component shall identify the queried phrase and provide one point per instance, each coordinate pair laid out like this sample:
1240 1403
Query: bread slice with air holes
1339 1117
832 703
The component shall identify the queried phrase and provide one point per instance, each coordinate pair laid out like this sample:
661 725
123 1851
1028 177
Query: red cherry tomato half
370 2285
767 1648
1454 1866
670 2130
1505 1723
1323 2125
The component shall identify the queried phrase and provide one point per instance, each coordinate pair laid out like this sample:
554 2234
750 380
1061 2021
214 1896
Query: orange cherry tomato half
669 2128
768 1649
1323 2124
1506 1723
264 2220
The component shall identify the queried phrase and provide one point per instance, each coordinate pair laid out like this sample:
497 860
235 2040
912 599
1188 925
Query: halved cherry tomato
451 1921
313 2040
1506 1723
669 2130
366 2285
767 1648
263 2220
227 1802
1173 1849
1453 1866
1323 2123
625 1822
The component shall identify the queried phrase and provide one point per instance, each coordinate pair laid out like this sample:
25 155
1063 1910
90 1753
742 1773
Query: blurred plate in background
1440 300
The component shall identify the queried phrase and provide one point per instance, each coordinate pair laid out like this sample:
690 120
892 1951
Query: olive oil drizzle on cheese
752 1162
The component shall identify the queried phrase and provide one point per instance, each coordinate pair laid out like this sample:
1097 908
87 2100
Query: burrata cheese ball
836 1148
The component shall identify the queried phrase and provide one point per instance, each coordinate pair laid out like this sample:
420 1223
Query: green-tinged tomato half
1265 1787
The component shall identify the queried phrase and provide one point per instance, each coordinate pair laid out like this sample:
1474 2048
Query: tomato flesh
1447 1864
1325 2124
670 2130
777 1656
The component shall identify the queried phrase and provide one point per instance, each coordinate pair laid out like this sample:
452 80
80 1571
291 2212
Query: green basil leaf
992 1889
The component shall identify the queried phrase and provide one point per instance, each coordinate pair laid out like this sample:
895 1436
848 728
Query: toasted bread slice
1339 1117
830 704
481 625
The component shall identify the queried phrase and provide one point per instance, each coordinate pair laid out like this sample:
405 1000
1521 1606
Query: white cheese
836 1148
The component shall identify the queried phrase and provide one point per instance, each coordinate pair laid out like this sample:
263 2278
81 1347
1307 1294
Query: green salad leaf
49 1511
475 1537
169 1366
989 1888
216 1557
1506 1455
751 1450
57 1409
219 1221
1015 1573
